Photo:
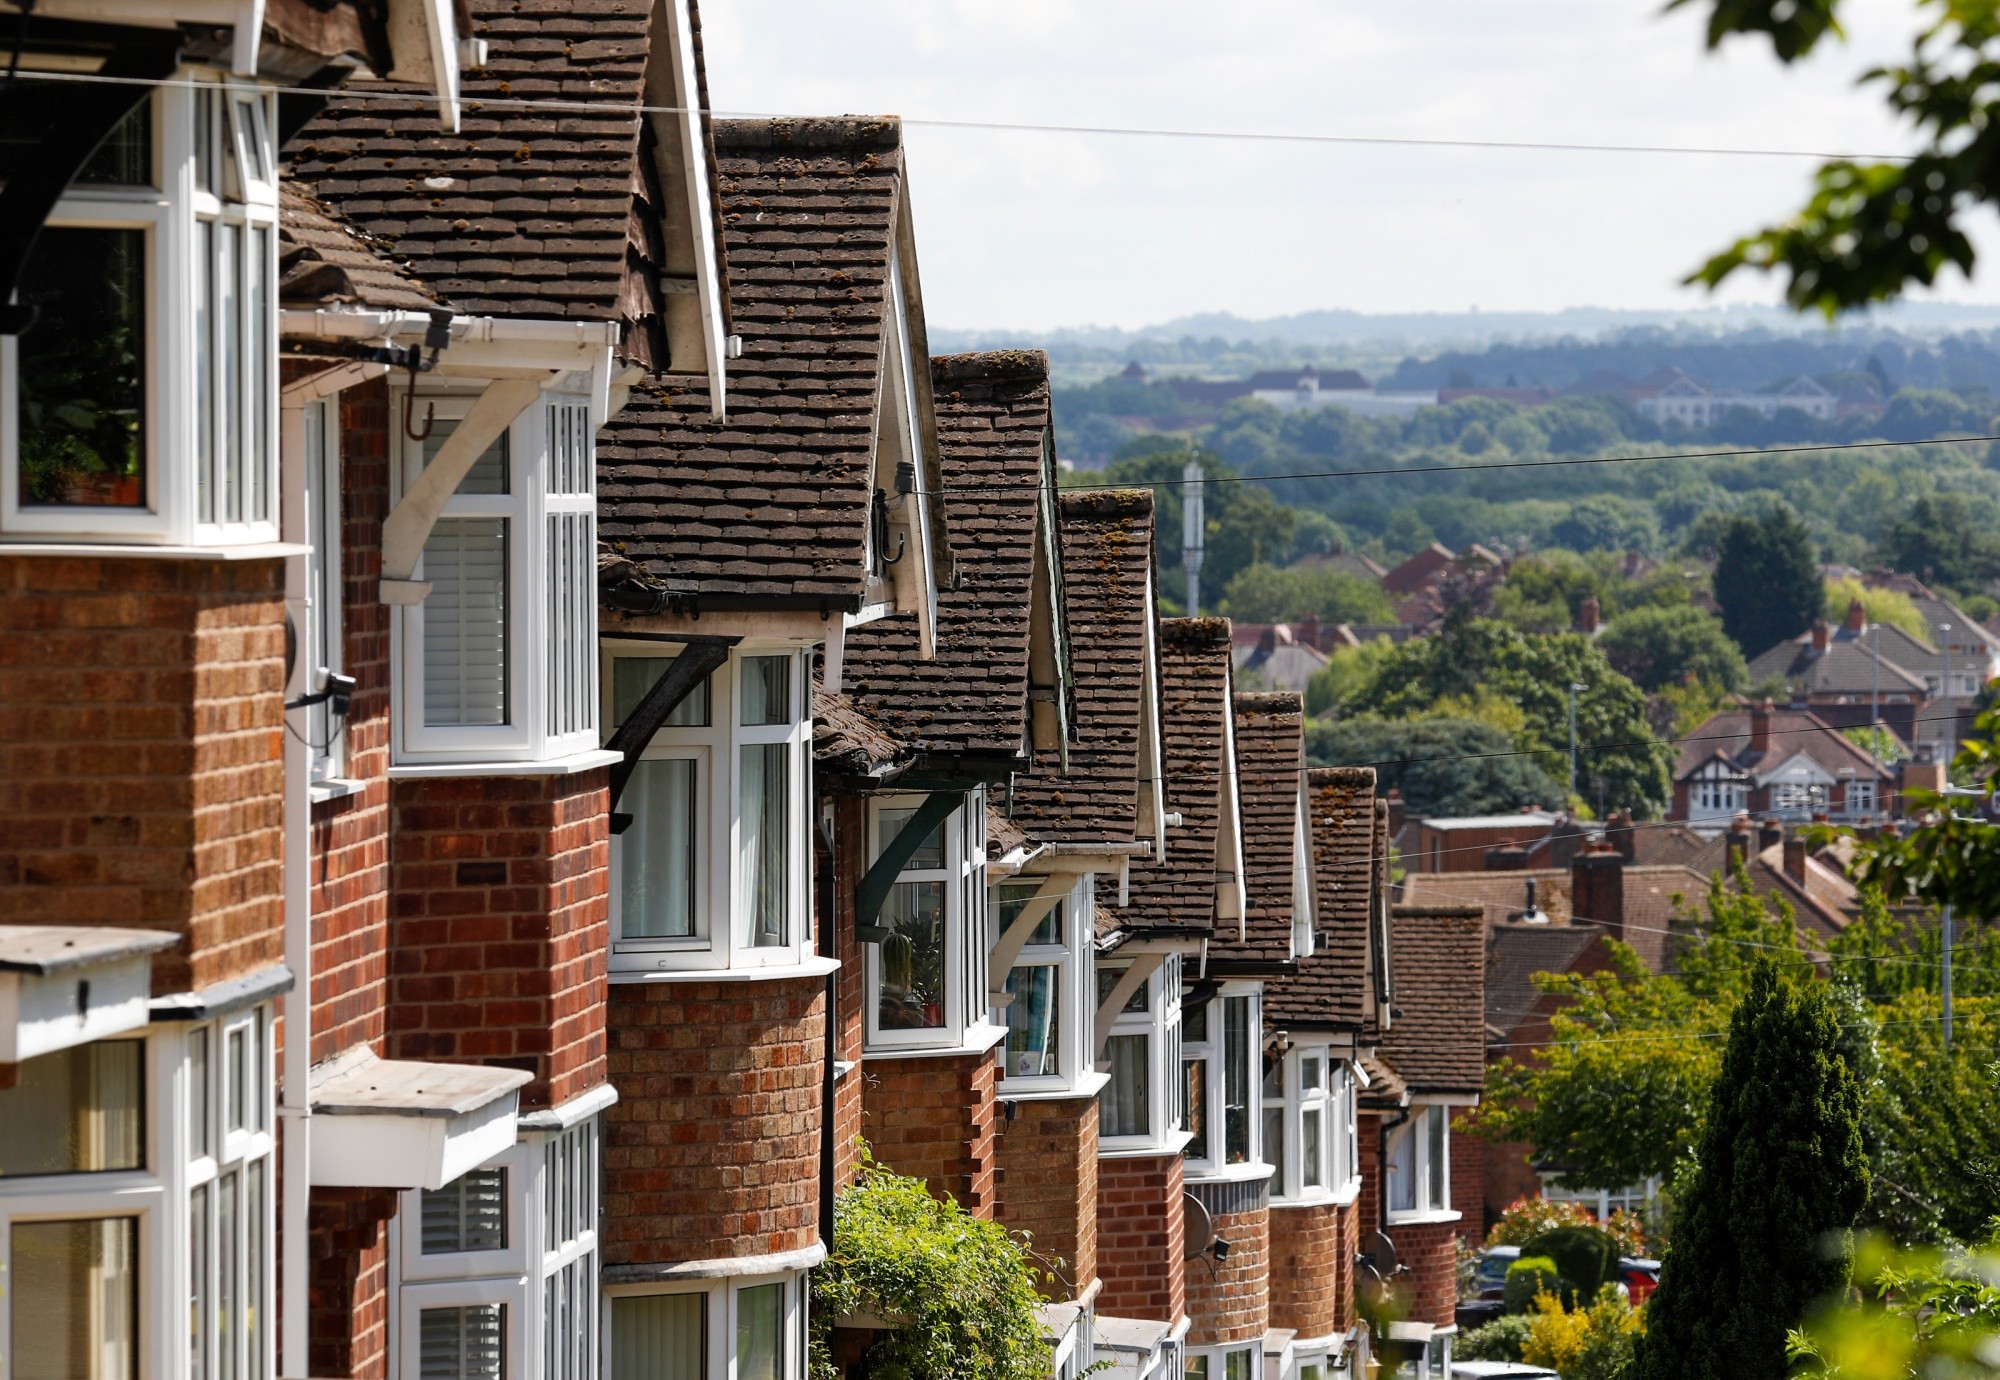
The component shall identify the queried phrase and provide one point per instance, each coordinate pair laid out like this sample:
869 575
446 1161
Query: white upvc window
1224 1362
1220 1043
715 870
320 637
1416 1170
1300 1131
1720 795
1861 798
231 1197
747 1328
1051 1015
1140 1108
141 404
1346 1134
499 661
926 978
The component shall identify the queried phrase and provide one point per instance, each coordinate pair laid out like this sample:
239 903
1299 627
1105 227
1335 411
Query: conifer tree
1779 1178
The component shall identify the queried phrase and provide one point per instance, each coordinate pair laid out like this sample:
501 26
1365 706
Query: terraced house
537 721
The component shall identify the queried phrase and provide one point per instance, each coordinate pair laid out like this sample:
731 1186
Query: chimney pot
1589 616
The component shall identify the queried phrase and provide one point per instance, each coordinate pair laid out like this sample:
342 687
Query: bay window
714 869
1417 1166
742 1329
498 660
141 401
232 1199
1306 1130
1220 1039
926 974
1139 1109
1050 1007
1223 1363
320 637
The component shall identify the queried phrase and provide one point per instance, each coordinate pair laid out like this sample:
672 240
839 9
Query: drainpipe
829 891
1382 1168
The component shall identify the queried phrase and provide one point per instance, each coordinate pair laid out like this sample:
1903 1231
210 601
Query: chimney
1819 635
1795 857
1857 616
1920 776
1589 617
1619 834
1395 803
1307 632
1597 888
1736 843
1267 641
1507 857
1760 727
1769 834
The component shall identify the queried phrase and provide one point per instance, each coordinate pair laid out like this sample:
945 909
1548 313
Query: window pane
633 676
237 1070
1236 1079
43 106
75 1300
657 853
1236 1366
258 349
1440 1157
1194 1023
204 361
767 690
198 1266
1107 978
465 622
227 272
766 794
1124 1107
227 1256
82 383
1274 1075
1274 1145
929 855
1312 1149
1194 1108
467 1214
660 1337
201 1136
489 473
760 1333
79 1110
912 958
1034 1020
255 1283
1196 1368
461 1343
1311 1073
1401 1169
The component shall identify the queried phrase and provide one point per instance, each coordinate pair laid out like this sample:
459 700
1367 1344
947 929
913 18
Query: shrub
1585 1256
1593 1343
1524 1219
1527 1279
1499 1340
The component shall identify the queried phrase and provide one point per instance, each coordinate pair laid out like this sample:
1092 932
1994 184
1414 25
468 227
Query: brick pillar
712 1149
349 1296
1311 1268
1140 1236
1229 1300
934 1119
499 926
1047 1179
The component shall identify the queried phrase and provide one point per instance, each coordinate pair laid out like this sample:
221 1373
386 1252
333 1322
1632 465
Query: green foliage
1954 857
1880 743
1585 1256
1780 1176
1263 593
1499 1340
1608 522
1347 674
1522 1220
1767 580
1920 1315
1527 1279
1887 606
1594 1343
1657 646
1944 539
1245 524
960 1290
1443 766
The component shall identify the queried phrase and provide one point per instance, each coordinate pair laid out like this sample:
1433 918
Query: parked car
1499 1370
1471 1313
1490 1274
1639 1276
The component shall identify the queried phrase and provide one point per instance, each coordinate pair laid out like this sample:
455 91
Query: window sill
843 1067
1229 1173
978 1040
335 788
553 766
811 968
1090 1085
249 551
1132 1148
1423 1219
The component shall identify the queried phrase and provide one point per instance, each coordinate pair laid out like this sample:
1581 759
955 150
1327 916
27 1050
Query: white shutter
465 622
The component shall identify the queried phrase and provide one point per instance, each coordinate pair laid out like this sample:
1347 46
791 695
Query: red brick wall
934 1119
1468 1180
141 754
1229 1300
348 1307
1140 1234
1427 1256
712 1149
848 861
1047 1180
1312 1273
499 926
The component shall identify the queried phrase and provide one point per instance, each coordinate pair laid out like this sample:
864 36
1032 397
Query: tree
1245 524
1766 580
1444 767
1264 594
1919 1314
1943 539
1606 522
1780 1176
1889 606
1658 646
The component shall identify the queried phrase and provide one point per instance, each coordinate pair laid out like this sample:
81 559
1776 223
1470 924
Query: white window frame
1863 797
413 1300
552 710
1212 1048
321 641
1160 1024
1346 1131
1416 1131
966 934
721 938
415 1267
1292 1103
720 1319
1217 1359
1072 958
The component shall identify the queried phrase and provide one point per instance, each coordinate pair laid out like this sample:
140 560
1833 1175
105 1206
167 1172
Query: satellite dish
1197 1226
1382 1251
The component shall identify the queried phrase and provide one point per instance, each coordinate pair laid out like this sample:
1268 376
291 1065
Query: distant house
1353 563
1786 764
1526 397
1274 656
1672 397
1420 571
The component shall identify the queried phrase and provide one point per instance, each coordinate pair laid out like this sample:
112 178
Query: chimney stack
1857 616
1395 804
1760 727
1736 842
1618 832
1770 833
1820 635
1795 857
1589 616
1597 888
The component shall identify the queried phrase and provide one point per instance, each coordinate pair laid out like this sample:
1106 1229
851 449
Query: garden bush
1528 1277
1499 1340
1586 1257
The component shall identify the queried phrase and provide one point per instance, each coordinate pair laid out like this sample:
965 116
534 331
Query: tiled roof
1844 668
1649 890
322 261
1438 1039
972 697
1792 731
773 502
1270 754
846 741
1497 894
1331 986
523 212
1107 557
1515 953
1179 891
1676 843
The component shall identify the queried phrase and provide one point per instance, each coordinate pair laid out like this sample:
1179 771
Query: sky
1028 230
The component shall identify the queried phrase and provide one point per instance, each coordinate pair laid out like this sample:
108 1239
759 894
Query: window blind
462 1343
465 622
660 1335
467 1214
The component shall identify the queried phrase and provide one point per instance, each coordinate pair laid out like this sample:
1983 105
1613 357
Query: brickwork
1427 1254
1468 1180
141 754
1140 1235
712 1149
498 926
848 864
1047 1180
1311 1267
348 1306
934 1119
1229 1300
350 834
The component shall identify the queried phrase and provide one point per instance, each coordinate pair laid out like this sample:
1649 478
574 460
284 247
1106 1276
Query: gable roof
971 698
1515 953
1107 559
1792 731
1846 667
324 261
771 505
1413 573
1330 988
1270 756
1438 1039
1179 890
